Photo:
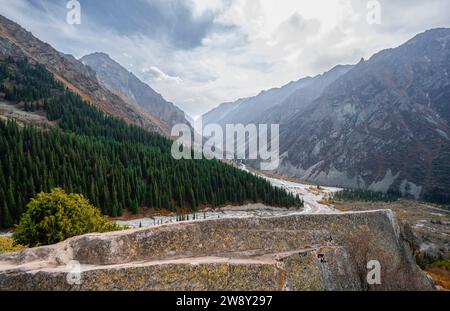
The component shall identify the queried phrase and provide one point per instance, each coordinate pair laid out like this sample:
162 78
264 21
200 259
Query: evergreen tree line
29 82
117 166
367 195
117 175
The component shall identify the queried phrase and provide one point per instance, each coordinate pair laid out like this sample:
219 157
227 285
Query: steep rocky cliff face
119 80
16 42
384 125
308 252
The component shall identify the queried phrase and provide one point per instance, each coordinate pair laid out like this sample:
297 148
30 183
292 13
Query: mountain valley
88 176
381 125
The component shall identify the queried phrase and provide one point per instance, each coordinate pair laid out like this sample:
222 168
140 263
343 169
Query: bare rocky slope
383 124
119 80
275 105
307 252
16 42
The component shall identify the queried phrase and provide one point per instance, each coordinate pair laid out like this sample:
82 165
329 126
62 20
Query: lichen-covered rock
306 252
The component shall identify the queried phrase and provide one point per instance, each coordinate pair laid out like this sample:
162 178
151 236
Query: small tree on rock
53 217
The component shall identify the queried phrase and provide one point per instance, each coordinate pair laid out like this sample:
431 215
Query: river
311 195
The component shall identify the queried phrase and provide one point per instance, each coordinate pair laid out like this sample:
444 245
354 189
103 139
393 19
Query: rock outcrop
121 81
305 252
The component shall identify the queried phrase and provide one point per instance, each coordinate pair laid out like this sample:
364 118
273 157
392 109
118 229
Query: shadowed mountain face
18 43
119 80
275 105
383 125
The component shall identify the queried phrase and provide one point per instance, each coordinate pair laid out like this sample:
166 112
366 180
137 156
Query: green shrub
443 264
8 245
425 260
429 261
53 217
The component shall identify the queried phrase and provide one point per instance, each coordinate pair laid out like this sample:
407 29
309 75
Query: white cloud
157 75
202 6
252 44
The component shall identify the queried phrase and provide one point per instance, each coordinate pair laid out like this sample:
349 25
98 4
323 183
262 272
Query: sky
201 53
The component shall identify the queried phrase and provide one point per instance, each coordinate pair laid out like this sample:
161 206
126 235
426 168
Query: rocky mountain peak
119 80
383 126
16 42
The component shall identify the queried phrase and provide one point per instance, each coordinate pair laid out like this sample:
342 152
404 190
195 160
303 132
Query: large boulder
305 252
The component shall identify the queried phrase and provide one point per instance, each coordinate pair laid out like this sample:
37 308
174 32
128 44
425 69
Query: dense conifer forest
117 166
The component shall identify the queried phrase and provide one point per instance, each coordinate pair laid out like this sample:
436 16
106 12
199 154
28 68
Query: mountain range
117 79
382 124
128 99
63 125
265 106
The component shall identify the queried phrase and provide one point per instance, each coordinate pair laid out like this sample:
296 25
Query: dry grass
441 277
316 191
8 245
326 202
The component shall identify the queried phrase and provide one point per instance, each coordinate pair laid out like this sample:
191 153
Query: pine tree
134 208
6 220
192 199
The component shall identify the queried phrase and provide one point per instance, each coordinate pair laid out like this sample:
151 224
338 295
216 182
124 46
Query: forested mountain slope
115 164
18 43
